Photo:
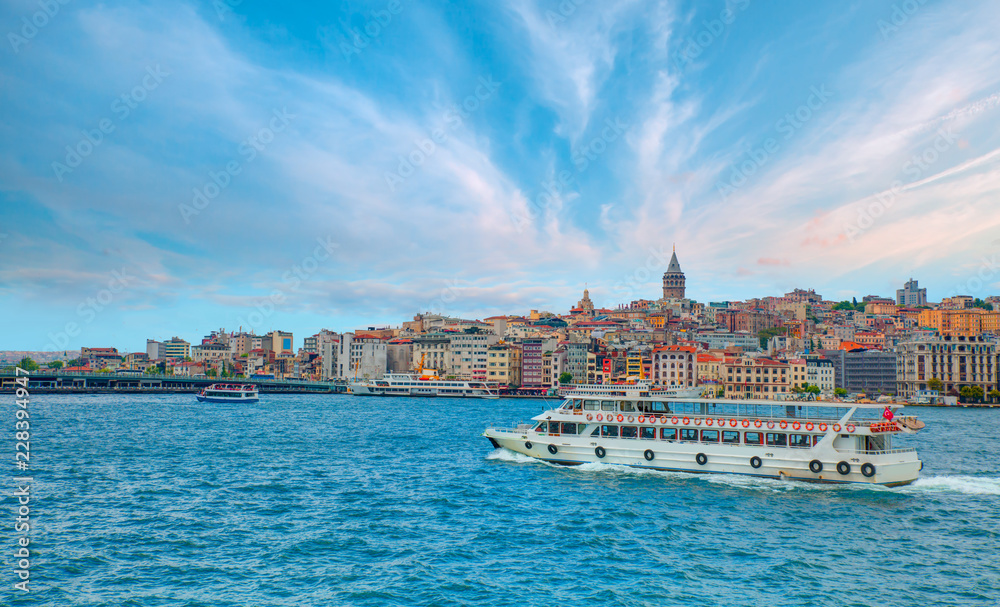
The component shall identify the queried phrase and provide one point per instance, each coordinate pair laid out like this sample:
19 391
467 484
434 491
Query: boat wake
969 485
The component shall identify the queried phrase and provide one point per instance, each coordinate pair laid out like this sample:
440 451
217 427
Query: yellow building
961 323
504 365
749 377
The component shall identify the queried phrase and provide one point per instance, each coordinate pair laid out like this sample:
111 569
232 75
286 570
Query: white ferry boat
406 384
810 441
228 393
633 388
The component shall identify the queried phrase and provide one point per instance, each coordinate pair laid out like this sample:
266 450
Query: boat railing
883 451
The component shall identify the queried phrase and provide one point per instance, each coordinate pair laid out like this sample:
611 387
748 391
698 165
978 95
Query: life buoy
642 419
850 428
868 470
701 458
600 452
822 427
782 424
709 422
836 427
673 420
553 449
648 454
770 425
589 417
697 421
844 468
757 423
815 466
809 426
686 421
631 419
621 417
732 423
600 417
755 462
664 420
796 425
746 423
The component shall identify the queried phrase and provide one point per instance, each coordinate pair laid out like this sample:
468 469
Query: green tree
978 303
565 377
811 389
56 364
188 359
965 394
977 394
994 395
934 384
840 392
720 392
844 305
210 373
28 365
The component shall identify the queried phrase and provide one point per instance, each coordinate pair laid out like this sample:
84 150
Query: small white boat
228 393
406 384
810 441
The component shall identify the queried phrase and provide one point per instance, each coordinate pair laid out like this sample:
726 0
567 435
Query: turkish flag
887 414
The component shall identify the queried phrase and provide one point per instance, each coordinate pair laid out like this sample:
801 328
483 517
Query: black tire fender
553 449
600 452
528 445
868 469
844 468
815 466
755 462
701 458
649 455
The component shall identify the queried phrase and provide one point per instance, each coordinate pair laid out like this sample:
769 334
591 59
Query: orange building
961 323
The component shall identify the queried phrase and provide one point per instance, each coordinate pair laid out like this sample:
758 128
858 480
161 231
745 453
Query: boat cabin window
709 436
596 432
688 434
753 438
578 405
607 405
647 433
609 431
657 407
542 427
668 433
817 438
627 406
798 440
630 432
569 428
731 437
590 405
777 439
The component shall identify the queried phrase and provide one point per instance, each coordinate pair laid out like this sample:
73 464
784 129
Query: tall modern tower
673 279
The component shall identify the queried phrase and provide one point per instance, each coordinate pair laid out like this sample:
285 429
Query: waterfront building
751 377
101 358
399 355
328 351
911 294
136 361
721 340
961 322
210 351
504 366
860 370
820 372
279 342
675 366
434 351
154 349
469 354
955 360
240 344
175 347
361 356
533 350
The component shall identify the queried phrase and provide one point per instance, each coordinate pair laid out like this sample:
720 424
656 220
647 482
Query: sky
169 168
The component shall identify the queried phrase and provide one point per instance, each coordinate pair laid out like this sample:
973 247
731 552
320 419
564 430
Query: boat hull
216 399
891 469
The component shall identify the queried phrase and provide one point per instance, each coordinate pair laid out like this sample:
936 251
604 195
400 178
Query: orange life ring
664 420
836 427
732 423
770 425
674 421
631 419
809 426
709 421
600 417
621 417
589 417
746 423
697 421
850 428
822 427
686 421
757 423
642 419
796 425
782 424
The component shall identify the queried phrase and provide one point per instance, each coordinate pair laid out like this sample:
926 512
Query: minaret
673 279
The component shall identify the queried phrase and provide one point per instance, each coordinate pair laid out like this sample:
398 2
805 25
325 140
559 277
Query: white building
469 354
819 372
675 366
361 356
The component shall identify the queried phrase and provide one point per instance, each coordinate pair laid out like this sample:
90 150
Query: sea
152 500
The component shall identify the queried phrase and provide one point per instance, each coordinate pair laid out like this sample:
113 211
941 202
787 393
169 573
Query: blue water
340 500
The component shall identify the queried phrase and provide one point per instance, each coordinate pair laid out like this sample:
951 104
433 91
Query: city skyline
225 158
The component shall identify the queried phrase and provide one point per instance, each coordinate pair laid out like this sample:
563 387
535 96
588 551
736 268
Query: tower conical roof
674 265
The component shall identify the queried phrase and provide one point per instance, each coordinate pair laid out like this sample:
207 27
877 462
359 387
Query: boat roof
742 401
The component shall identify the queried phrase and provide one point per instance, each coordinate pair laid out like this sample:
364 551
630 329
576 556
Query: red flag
887 414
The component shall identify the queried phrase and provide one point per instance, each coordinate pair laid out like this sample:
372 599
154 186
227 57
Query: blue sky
167 168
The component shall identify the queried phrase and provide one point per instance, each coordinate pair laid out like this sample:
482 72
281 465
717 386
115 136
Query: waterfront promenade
56 381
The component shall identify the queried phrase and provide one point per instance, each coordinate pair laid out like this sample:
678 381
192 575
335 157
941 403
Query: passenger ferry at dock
829 442
406 384
228 393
